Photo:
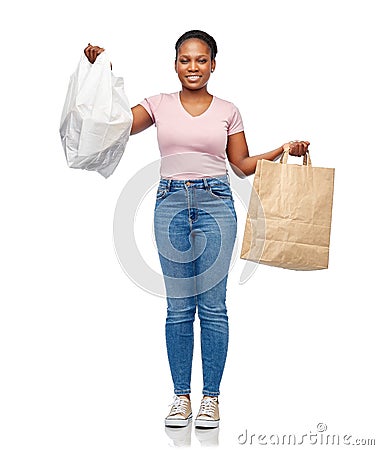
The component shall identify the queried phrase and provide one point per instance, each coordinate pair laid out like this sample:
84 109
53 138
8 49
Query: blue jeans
195 227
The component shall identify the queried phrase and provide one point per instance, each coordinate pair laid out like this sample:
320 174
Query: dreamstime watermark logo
318 437
130 215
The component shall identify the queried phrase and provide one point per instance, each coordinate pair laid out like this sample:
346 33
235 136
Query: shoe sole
178 422
200 423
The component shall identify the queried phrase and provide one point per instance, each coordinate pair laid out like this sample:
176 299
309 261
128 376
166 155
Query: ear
175 66
213 65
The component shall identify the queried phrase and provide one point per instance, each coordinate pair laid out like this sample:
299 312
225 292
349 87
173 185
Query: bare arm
141 119
243 164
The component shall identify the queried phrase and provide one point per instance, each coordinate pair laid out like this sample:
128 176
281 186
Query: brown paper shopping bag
289 218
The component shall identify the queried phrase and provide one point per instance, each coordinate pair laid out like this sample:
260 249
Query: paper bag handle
306 158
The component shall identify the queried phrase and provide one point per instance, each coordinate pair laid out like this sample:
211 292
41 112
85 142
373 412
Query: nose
192 66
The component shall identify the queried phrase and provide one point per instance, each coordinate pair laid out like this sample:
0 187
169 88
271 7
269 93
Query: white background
83 361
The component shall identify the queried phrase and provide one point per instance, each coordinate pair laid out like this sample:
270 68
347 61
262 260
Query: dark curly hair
198 34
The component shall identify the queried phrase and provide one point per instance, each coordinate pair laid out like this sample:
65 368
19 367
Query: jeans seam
211 394
182 391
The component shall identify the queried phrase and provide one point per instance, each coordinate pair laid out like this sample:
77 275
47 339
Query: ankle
211 396
186 396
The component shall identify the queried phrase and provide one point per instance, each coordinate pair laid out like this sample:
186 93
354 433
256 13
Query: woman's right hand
92 52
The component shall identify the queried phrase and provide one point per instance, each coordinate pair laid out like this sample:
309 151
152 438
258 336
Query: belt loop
228 177
169 184
206 185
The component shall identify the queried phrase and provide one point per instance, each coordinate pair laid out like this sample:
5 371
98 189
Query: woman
194 219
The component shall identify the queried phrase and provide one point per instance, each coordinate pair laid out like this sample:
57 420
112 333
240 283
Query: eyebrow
198 56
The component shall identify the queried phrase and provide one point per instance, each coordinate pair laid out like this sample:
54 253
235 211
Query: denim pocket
221 190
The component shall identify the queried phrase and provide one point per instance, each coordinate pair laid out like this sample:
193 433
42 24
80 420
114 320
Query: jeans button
188 183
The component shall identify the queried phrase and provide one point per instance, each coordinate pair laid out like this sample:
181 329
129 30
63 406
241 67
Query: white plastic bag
96 118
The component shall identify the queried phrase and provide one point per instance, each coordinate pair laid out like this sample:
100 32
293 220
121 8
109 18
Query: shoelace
208 406
179 406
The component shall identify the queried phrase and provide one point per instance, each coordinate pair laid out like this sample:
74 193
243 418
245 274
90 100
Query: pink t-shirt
192 147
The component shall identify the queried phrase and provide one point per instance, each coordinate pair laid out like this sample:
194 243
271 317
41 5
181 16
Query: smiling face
194 64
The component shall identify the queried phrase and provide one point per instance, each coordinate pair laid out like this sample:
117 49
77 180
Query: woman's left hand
296 148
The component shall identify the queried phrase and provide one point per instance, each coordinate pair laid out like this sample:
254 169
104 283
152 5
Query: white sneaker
208 416
180 414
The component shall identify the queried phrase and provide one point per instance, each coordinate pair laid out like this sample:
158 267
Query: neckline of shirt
190 115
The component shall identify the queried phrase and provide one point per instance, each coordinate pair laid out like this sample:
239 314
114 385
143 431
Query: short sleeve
151 104
235 123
